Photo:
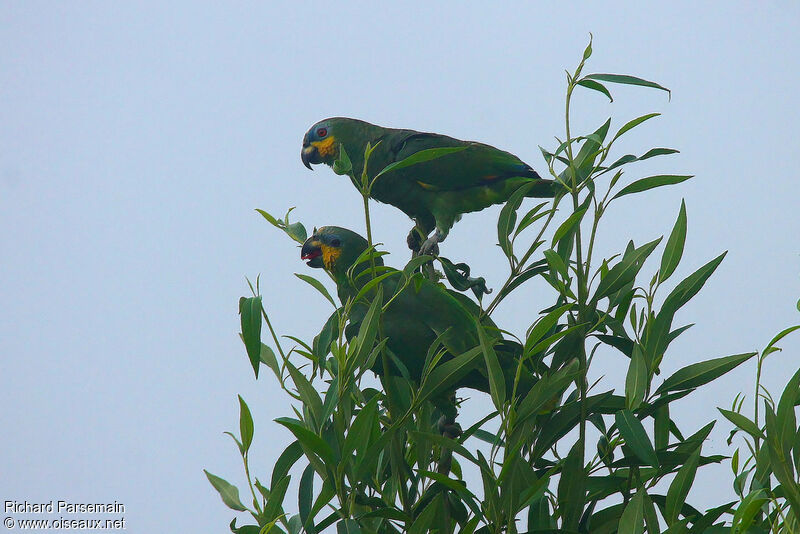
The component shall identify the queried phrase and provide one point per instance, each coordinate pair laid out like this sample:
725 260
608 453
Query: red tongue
311 255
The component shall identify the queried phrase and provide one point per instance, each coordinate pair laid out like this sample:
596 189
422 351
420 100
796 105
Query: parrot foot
448 427
414 241
431 245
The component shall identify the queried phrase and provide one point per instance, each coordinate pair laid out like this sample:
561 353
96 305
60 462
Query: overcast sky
136 140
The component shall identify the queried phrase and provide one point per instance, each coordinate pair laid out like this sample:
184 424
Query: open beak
311 252
309 155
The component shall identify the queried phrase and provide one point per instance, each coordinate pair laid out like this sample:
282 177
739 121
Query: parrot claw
448 427
431 246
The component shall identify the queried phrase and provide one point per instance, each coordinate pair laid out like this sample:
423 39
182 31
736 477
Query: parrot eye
322 132
335 242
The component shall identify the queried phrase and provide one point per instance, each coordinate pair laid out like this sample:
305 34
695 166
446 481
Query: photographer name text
54 507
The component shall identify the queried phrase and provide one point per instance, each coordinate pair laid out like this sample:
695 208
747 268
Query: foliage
564 457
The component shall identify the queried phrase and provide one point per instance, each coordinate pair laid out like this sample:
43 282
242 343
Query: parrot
417 316
434 193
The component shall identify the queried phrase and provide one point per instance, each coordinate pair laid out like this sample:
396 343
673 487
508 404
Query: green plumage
436 192
416 317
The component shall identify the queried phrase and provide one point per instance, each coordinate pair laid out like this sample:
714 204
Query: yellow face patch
326 147
329 255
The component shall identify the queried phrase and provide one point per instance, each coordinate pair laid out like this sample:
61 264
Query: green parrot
416 317
434 193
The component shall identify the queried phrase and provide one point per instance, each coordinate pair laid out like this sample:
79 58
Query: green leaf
674 248
311 442
635 437
556 263
657 152
781 434
650 517
590 149
305 496
415 263
651 182
267 356
544 390
250 312
285 461
542 326
368 331
632 519
447 373
633 124
316 284
743 422
567 225
572 488
348 526
497 382
508 217
661 424
624 271
770 348
297 232
747 510
424 522
228 492
680 486
626 80
591 84
308 393
358 436
274 507
627 158
245 424
658 337
420 157
531 217
342 165
445 442
272 220
636 380
697 374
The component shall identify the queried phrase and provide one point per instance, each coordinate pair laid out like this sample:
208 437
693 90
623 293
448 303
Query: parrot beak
311 252
306 155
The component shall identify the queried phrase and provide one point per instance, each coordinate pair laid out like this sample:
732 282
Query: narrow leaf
743 423
674 248
250 312
591 84
635 437
633 124
632 519
228 492
636 379
626 80
697 374
651 182
245 424
316 284
679 488
497 383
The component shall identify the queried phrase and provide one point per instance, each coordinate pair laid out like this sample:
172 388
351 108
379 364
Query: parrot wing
475 165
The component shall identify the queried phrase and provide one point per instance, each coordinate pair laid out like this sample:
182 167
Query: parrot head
333 248
319 143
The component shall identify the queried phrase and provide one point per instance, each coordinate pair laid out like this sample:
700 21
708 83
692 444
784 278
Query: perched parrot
414 319
434 193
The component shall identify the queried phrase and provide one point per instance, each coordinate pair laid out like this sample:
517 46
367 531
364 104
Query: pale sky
136 140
